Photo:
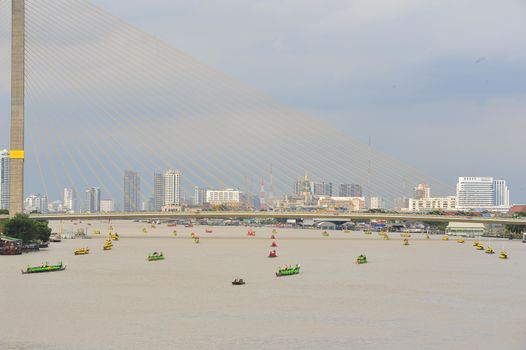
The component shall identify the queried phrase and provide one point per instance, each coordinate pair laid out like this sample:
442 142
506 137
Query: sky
439 85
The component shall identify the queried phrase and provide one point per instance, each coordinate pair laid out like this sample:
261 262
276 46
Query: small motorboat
251 233
427 237
82 251
238 282
445 238
156 256
460 240
188 225
325 234
476 243
503 255
44 268
406 241
144 230
96 232
272 254
386 237
288 271
114 236
208 230
274 244
368 232
346 231
361 259
489 250
174 233
196 240
405 235
479 247
273 237
274 231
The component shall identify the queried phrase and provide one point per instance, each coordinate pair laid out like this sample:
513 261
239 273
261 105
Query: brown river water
432 294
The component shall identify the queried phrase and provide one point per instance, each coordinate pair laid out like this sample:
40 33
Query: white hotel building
229 197
482 193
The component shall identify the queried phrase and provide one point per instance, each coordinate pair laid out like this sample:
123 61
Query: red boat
208 231
273 254
274 244
251 232
272 237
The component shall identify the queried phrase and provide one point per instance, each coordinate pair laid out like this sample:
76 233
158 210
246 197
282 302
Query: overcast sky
439 84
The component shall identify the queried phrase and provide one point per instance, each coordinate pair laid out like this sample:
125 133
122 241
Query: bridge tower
16 163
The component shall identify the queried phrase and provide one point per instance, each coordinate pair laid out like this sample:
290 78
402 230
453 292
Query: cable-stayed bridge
98 96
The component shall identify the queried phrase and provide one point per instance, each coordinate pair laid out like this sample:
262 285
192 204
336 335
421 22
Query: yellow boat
367 232
460 240
386 237
406 241
427 237
503 255
405 235
97 232
82 251
445 238
346 231
114 236
144 230
489 250
479 247
174 233
274 231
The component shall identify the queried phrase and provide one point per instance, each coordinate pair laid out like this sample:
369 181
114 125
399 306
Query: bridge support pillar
16 162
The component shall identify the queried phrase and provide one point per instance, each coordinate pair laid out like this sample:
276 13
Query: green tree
28 230
4 212
517 229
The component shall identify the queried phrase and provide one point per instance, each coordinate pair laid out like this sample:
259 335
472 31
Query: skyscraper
4 180
158 191
132 191
92 200
70 199
350 190
199 195
422 191
321 188
172 188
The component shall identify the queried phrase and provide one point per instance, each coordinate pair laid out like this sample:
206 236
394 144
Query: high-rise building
502 194
298 188
199 195
132 191
4 180
36 203
321 188
158 191
377 203
70 200
172 188
422 191
92 200
482 193
350 190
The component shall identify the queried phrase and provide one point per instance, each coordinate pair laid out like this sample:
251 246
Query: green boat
44 268
288 271
156 256
361 259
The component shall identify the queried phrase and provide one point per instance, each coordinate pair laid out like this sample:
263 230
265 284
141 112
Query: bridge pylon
17 153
